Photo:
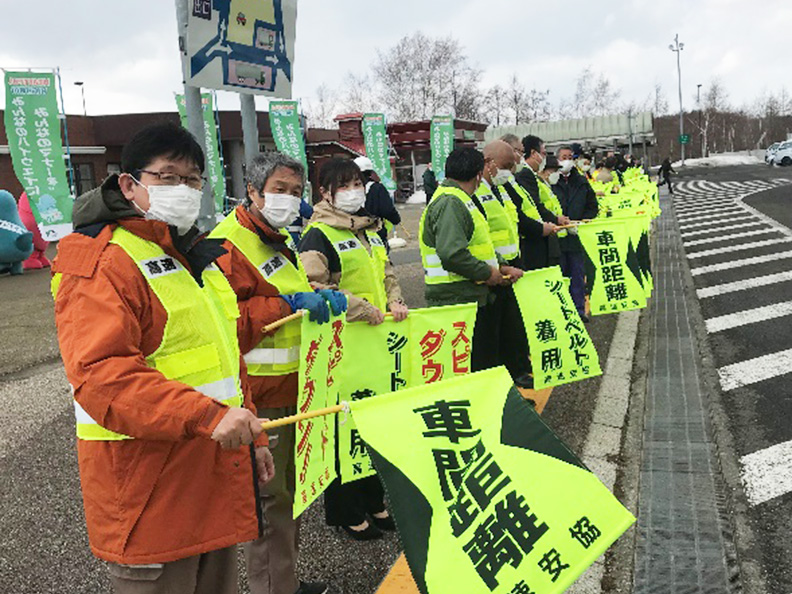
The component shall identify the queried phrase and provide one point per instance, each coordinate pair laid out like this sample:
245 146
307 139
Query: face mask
566 165
501 177
521 165
175 205
543 164
350 201
553 178
585 168
280 209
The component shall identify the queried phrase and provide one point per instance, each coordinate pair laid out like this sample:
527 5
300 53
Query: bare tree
323 107
357 94
660 101
516 98
594 96
495 99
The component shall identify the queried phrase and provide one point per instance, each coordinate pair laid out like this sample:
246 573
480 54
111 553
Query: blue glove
335 299
314 303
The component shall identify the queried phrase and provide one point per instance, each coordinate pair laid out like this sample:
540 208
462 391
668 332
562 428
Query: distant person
665 175
429 182
378 200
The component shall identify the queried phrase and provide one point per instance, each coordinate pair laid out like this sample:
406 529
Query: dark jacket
578 201
535 248
380 204
429 184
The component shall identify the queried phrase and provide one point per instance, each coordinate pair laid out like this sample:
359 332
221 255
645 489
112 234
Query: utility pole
195 121
81 84
698 104
678 47
250 132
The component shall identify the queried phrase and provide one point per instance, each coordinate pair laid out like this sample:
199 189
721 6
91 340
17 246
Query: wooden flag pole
277 324
321 412
407 233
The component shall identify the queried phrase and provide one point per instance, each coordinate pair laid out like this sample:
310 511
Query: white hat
364 163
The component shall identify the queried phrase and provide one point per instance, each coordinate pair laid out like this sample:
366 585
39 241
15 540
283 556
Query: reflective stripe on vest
362 273
480 245
276 354
502 225
204 316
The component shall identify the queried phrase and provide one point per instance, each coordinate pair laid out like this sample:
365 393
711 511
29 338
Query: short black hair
565 147
337 172
610 163
464 164
532 143
585 156
166 140
552 163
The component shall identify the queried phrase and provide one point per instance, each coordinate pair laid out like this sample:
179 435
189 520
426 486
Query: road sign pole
250 133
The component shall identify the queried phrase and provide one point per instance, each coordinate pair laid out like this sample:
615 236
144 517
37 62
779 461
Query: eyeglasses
196 182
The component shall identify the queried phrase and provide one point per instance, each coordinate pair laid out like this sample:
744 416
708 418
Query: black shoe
525 381
387 524
584 318
370 533
312 588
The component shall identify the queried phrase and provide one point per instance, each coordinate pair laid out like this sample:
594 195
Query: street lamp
81 84
698 104
678 47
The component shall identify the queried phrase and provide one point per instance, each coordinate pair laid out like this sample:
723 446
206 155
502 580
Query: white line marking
744 285
727 228
752 371
727 237
767 474
733 219
706 208
734 211
740 263
738 248
750 316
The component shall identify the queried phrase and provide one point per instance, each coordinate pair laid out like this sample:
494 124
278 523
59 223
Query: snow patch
418 198
397 242
723 160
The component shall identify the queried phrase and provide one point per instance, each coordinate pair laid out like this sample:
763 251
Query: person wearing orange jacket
265 272
170 449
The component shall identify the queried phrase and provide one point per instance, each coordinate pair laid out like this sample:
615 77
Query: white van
770 152
783 154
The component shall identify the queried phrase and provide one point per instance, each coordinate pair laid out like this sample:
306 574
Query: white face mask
585 168
350 201
501 177
543 164
280 209
175 205
553 178
566 165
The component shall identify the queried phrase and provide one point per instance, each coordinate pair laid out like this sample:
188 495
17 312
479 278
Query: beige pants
271 560
210 573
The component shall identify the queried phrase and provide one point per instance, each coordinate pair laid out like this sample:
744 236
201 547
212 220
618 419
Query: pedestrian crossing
741 263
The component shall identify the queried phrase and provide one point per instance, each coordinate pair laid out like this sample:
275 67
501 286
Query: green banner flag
214 164
376 139
442 141
285 123
486 498
321 351
34 140
613 271
561 348
430 345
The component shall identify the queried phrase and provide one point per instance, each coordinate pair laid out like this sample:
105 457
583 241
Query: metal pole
195 122
629 124
66 136
698 104
678 47
85 109
220 147
250 132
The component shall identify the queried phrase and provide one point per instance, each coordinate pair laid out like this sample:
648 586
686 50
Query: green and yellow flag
429 346
486 498
321 351
561 349
614 276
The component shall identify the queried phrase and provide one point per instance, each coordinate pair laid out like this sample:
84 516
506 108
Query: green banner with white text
285 123
486 498
376 138
561 348
442 142
431 345
33 128
214 164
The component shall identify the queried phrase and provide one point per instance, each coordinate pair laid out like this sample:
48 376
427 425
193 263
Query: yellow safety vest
362 273
277 354
502 222
480 245
199 343
528 206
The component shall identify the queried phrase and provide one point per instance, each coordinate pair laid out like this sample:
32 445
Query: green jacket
448 228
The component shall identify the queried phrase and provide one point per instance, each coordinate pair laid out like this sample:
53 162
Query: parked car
770 152
783 155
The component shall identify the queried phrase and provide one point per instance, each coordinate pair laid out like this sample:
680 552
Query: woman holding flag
342 250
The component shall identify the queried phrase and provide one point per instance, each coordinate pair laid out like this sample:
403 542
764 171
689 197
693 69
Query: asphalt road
735 223
43 544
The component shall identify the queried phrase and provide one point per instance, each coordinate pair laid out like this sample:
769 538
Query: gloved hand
335 299
313 302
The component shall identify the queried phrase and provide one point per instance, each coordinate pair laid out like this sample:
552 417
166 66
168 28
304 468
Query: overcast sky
126 52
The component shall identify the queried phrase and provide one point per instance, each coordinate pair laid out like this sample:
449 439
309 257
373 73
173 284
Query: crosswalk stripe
727 237
732 211
752 371
731 265
726 228
706 208
767 474
715 222
748 317
744 285
739 247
